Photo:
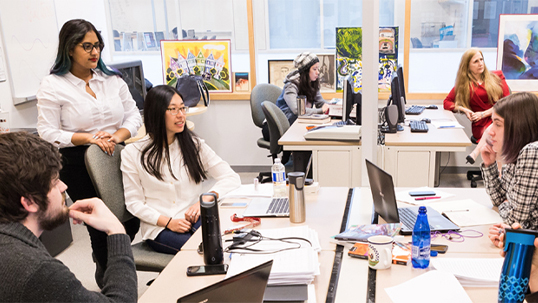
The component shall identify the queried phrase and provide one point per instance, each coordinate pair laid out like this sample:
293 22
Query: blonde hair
464 79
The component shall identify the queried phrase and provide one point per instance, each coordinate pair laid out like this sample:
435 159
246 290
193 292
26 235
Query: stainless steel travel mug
297 198
514 281
301 105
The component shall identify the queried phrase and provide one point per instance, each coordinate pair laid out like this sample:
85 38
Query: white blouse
147 198
64 107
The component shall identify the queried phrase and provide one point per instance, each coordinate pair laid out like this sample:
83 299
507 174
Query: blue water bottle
514 281
420 252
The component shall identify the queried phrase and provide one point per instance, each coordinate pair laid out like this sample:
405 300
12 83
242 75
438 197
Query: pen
453 211
447 126
427 198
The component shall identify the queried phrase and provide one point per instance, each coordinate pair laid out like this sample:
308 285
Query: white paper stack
295 261
472 272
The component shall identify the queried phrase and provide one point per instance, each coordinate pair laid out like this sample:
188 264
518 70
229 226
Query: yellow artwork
208 59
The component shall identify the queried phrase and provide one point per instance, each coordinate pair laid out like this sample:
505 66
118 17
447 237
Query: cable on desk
339 253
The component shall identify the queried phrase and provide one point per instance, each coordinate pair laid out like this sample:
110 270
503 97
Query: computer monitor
349 99
401 80
133 74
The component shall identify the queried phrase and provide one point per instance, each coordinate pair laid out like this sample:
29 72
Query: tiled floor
78 256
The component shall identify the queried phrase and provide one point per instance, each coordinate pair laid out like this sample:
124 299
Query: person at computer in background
163 173
474 94
514 138
302 81
80 103
32 199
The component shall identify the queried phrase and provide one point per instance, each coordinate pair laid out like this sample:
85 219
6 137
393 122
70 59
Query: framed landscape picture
209 59
278 70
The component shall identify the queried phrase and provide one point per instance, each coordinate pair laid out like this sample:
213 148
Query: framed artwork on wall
278 70
327 72
517 51
209 59
242 83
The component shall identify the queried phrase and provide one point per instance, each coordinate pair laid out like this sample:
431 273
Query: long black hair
157 101
71 34
307 87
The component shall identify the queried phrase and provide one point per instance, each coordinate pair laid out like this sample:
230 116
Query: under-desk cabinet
337 166
410 166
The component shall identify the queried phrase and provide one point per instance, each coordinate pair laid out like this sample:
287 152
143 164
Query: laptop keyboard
408 217
279 206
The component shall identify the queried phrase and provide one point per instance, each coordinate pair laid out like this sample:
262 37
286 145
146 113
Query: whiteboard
30 36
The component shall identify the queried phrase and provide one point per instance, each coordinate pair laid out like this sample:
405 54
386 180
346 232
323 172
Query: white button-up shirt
65 108
147 198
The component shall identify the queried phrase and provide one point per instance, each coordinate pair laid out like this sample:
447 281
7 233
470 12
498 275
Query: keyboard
408 217
415 110
343 123
418 126
279 206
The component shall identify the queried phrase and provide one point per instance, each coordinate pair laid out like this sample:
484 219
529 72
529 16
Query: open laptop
248 286
385 204
271 207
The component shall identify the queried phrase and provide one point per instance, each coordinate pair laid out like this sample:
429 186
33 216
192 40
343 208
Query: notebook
248 286
385 204
271 207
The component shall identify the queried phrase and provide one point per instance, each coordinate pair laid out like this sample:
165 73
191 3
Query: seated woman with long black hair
163 173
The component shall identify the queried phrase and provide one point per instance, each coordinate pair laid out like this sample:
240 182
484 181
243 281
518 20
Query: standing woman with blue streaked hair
80 103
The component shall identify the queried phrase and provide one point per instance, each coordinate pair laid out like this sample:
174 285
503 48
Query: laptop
385 204
248 286
271 207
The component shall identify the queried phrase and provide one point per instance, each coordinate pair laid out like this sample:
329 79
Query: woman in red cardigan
476 91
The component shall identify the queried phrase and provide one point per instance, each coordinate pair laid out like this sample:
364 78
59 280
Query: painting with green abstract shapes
349 56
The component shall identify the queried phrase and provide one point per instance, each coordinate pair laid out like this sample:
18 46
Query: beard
51 221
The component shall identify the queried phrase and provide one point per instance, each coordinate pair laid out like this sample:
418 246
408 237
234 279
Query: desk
334 163
411 157
354 272
323 213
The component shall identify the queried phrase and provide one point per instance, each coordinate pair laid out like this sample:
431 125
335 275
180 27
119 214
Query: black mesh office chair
473 175
262 92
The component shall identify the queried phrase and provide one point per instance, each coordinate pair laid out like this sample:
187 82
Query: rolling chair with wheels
473 175
260 93
106 177
278 125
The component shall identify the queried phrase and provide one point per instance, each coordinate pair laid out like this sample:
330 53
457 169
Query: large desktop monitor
399 72
133 74
349 99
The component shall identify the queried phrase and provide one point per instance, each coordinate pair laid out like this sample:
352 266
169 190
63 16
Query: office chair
106 177
278 125
474 175
260 93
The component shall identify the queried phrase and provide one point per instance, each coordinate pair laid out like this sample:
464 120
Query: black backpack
192 88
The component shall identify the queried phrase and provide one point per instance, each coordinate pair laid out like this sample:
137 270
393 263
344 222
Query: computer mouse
433 106
426 120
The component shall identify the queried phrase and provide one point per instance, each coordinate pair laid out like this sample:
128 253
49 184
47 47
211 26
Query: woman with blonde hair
476 91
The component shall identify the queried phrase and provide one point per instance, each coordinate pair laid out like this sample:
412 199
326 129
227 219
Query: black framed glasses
175 110
88 47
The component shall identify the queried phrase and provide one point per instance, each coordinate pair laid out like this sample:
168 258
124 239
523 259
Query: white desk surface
294 136
434 136
324 213
354 272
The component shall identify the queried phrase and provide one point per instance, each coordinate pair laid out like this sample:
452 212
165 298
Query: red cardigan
479 102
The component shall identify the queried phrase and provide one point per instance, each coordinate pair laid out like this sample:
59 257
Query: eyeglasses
88 47
175 110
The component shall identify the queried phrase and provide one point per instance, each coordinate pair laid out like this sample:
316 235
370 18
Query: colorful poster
209 59
517 52
349 56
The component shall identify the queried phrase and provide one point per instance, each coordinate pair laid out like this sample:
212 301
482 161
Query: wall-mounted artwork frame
327 73
207 58
278 70
517 51
241 82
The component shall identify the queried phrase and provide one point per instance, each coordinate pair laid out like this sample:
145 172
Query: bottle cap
433 253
